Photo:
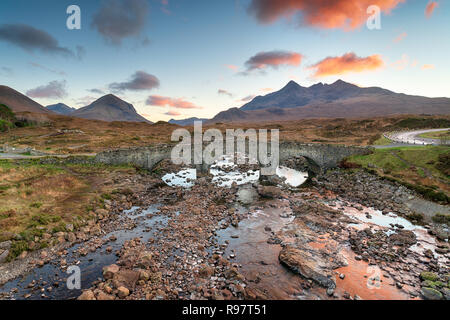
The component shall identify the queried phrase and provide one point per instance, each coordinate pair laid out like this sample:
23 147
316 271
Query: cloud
430 8
248 98
31 39
232 67
273 59
120 19
345 14
428 66
400 37
402 63
347 63
266 89
173 113
140 80
54 89
161 101
96 91
6 71
224 92
39 66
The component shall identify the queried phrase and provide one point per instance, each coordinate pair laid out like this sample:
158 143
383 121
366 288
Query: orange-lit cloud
266 89
347 63
346 14
273 59
430 8
427 66
400 37
160 101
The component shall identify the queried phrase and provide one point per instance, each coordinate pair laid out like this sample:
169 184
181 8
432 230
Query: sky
184 58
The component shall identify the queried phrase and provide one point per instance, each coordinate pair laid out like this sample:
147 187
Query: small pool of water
91 265
225 172
184 178
293 177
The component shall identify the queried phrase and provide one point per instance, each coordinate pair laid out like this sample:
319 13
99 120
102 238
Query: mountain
187 122
61 108
337 100
109 108
293 95
230 115
18 102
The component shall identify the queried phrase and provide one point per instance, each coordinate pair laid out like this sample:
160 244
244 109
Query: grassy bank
424 169
440 135
37 200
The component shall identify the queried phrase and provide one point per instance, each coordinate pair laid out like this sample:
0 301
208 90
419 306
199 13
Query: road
412 137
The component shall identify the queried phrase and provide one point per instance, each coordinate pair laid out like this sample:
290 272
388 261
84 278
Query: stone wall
325 156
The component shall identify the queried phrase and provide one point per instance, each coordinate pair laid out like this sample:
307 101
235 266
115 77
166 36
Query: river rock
307 265
5 245
3 255
110 271
269 192
123 292
87 295
431 294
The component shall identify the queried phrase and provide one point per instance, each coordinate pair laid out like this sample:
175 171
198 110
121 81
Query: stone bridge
321 155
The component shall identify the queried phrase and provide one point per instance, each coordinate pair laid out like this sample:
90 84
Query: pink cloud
430 8
400 37
161 101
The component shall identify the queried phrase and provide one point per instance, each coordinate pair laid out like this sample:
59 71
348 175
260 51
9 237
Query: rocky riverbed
342 235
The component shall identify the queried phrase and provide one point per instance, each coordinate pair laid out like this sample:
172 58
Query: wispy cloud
161 101
173 113
345 14
139 81
428 66
400 37
6 71
429 9
31 39
120 19
347 63
96 91
54 89
224 92
39 66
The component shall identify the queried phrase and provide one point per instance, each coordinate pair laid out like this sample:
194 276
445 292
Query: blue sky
189 46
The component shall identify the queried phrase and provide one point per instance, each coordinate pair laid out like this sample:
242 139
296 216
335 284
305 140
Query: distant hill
109 108
186 122
18 102
337 100
61 108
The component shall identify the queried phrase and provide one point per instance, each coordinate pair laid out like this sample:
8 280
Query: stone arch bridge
324 156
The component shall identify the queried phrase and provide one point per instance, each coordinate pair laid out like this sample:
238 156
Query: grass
382 141
38 198
444 135
424 169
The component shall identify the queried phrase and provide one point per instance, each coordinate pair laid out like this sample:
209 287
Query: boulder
307 265
87 295
431 294
126 278
123 292
110 271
